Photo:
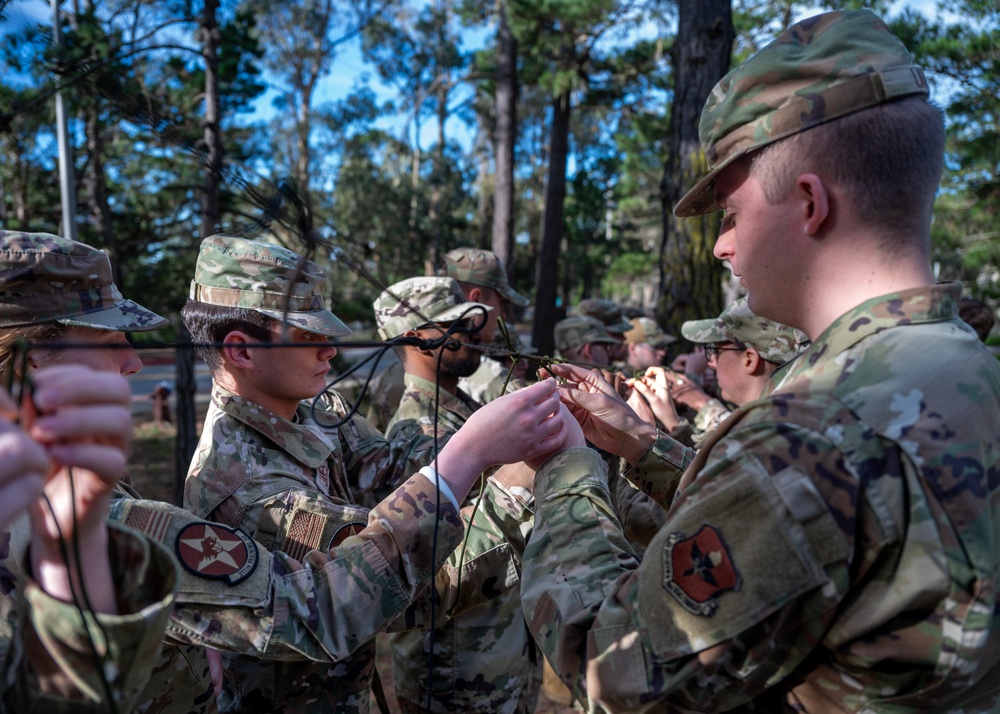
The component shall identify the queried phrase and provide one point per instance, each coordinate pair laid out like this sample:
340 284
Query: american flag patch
151 522
304 534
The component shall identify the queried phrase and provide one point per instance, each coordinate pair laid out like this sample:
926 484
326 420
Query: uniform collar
930 303
460 403
302 440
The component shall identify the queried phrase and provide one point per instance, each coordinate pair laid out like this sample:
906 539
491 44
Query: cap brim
455 312
703 331
701 198
320 322
513 296
125 316
664 341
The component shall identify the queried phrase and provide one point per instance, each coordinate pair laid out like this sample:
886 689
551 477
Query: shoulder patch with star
216 552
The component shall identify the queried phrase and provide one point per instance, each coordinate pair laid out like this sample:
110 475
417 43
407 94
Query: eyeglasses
712 350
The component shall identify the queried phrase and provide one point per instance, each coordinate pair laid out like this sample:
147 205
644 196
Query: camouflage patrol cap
773 341
481 267
45 278
415 302
581 330
607 312
645 329
263 277
819 69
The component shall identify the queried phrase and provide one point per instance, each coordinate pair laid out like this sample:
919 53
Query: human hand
520 426
607 421
639 404
681 388
23 465
82 419
654 386
216 669
691 363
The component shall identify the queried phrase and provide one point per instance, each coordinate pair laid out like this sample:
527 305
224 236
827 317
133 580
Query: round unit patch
345 532
213 551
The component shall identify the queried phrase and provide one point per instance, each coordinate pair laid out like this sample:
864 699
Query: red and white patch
212 551
697 569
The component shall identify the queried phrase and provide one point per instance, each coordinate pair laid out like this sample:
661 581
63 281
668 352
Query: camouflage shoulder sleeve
708 419
54 667
236 596
642 626
377 465
659 471
485 565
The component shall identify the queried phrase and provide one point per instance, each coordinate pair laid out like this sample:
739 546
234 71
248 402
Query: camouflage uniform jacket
264 474
707 420
486 383
285 483
484 659
49 666
179 678
834 546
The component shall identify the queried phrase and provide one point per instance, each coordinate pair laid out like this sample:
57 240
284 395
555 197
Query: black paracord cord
20 378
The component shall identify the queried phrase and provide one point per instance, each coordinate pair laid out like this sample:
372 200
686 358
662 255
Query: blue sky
348 70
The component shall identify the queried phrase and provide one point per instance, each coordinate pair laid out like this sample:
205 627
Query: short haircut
887 159
977 315
209 325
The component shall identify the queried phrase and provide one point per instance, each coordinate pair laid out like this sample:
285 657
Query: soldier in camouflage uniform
273 465
228 592
610 315
833 546
645 344
484 659
744 350
584 340
483 279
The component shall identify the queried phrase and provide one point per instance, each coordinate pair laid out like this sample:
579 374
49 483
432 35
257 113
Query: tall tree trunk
211 219
690 277
547 268
97 188
505 137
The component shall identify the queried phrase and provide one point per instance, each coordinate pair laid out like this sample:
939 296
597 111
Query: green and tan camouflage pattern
45 278
481 267
51 669
381 399
415 302
606 311
266 278
579 330
859 503
484 659
487 383
648 330
819 69
707 420
285 483
773 341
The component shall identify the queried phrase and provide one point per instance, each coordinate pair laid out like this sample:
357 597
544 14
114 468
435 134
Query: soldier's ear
235 351
815 203
752 361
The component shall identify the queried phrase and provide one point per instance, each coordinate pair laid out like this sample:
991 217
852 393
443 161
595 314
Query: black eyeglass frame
712 349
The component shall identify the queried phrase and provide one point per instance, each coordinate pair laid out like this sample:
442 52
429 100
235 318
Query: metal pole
66 184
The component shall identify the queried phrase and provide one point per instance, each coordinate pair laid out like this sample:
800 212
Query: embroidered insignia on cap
345 532
216 552
697 569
